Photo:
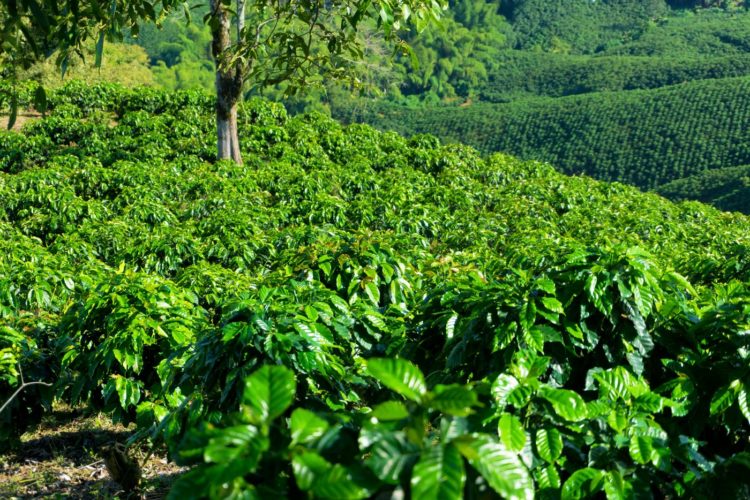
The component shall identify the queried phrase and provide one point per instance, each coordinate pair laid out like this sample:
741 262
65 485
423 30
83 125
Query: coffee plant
351 314
641 137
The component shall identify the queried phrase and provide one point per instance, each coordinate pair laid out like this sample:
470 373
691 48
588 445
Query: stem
240 19
24 385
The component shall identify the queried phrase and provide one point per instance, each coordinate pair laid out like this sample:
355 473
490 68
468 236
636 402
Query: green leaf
723 399
306 426
546 285
450 326
534 338
503 385
311 313
547 477
618 420
511 432
520 396
567 404
232 442
650 402
390 456
641 449
552 304
500 467
390 410
439 474
269 391
616 487
583 483
612 384
373 293
527 316
308 468
456 400
549 444
742 400
339 483
400 376
128 391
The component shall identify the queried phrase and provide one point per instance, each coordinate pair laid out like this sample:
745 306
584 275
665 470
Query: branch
24 385
240 19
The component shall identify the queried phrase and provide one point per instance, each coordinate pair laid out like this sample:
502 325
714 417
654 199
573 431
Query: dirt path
21 119
61 459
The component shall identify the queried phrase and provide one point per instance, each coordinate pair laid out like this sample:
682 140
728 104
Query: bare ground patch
21 119
61 459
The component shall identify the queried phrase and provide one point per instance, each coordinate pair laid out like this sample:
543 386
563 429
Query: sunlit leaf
511 432
439 474
502 468
400 376
269 391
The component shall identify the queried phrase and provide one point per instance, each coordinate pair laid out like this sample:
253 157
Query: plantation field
531 74
351 313
724 188
642 137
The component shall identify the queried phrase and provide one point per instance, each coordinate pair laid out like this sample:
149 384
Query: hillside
725 188
522 51
352 313
580 26
527 74
643 137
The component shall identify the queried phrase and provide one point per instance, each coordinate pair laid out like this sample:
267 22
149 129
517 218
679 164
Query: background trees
268 43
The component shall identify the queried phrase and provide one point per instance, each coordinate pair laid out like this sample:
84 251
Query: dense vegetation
124 64
693 33
725 188
527 74
645 138
351 312
515 52
580 26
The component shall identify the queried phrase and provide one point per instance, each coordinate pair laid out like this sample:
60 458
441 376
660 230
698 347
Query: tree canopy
264 42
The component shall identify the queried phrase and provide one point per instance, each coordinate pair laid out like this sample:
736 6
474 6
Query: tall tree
260 42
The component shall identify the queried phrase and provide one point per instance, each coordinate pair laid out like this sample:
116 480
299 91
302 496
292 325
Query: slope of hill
725 188
580 26
533 74
364 314
693 33
645 138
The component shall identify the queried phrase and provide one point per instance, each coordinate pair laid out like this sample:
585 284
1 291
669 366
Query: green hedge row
725 188
645 138
525 74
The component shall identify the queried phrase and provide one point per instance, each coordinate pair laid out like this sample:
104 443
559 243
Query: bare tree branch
23 386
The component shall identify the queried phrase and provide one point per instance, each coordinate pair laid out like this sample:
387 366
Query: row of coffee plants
641 137
725 188
523 74
352 313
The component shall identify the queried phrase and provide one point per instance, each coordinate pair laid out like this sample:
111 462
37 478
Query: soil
60 459
21 119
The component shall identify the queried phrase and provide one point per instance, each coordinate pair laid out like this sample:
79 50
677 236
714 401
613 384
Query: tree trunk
228 87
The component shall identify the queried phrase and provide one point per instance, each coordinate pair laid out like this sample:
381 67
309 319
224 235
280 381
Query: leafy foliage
725 188
645 138
529 74
352 313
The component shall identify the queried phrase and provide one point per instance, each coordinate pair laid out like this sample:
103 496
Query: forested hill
645 138
726 188
661 93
